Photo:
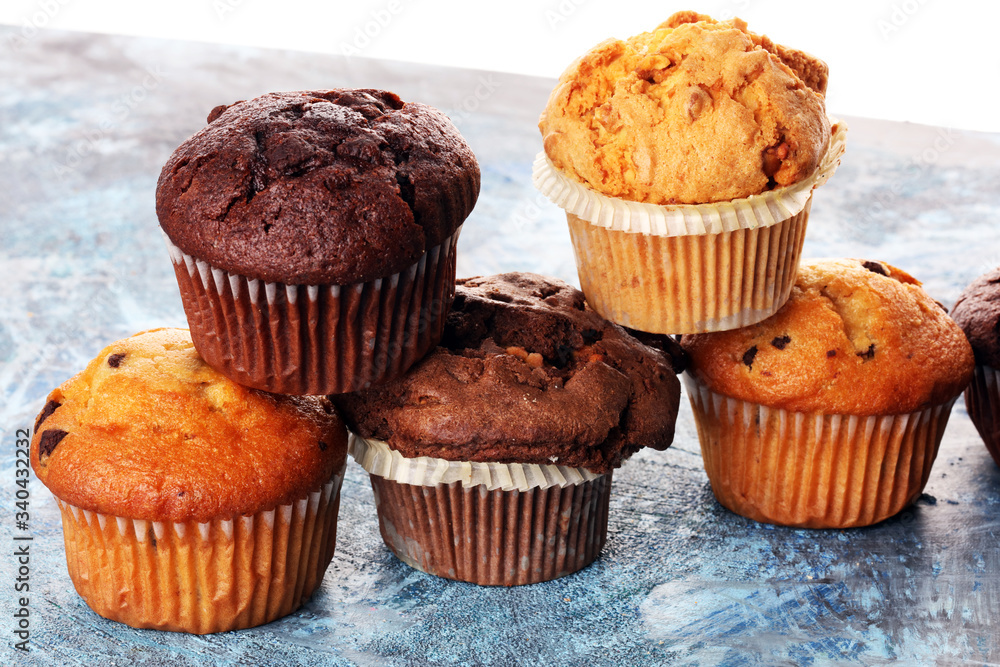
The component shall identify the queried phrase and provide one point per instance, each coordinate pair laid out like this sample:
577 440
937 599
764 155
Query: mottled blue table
86 122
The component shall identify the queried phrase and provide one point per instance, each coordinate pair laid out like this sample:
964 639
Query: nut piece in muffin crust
149 431
696 111
526 373
855 337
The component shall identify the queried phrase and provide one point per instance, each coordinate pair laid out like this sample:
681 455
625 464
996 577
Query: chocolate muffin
517 418
977 311
829 414
220 493
313 235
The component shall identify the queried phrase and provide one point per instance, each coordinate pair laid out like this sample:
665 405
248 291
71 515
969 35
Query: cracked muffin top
149 431
696 111
977 311
318 187
855 337
526 373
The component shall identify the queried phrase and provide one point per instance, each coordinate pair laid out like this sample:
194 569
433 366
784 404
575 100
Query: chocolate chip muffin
523 411
313 235
657 146
977 311
829 413
177 485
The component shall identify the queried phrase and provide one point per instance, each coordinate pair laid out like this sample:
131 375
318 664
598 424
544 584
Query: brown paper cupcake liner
316 339
688 284
483 534
224 574
813 470
982 400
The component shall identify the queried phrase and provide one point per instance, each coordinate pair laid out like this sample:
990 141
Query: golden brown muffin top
855 337
149 431
696 111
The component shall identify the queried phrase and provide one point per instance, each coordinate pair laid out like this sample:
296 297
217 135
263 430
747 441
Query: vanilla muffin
656 147
189 503
693 112
491 459
829 413
313 235
977 311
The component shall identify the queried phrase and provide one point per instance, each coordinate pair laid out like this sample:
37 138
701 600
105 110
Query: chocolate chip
322 446
869 353
831 354
50 439
875 267
217 111
748 357
781 341
590 336
46 412
564 354
115 360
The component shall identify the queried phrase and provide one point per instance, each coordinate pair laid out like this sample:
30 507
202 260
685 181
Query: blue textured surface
87 122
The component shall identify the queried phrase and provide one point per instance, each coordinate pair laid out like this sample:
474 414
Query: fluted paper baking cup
813 470
316 339
762 210
982 400
688 284
224 574
377 458
490 524
687 268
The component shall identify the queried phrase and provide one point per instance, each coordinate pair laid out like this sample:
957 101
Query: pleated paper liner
225 574
491 524
316 339
688 268
688 284
982 400
813 470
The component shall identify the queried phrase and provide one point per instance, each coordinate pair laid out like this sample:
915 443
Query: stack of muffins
313 237
685 159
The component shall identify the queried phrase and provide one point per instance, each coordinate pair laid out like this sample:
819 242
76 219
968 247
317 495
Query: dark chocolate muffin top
321 187
977 311
526 373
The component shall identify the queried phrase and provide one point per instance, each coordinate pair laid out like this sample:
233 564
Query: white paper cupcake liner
813 470
688 284
215 576
687 268
316 339
377 458
982 400
762 210
490 524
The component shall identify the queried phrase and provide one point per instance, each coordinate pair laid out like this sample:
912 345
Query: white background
928 61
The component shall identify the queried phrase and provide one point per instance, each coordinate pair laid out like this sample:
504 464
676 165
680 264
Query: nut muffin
829 413
491 459
313 235
977 311
685 159
189 503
